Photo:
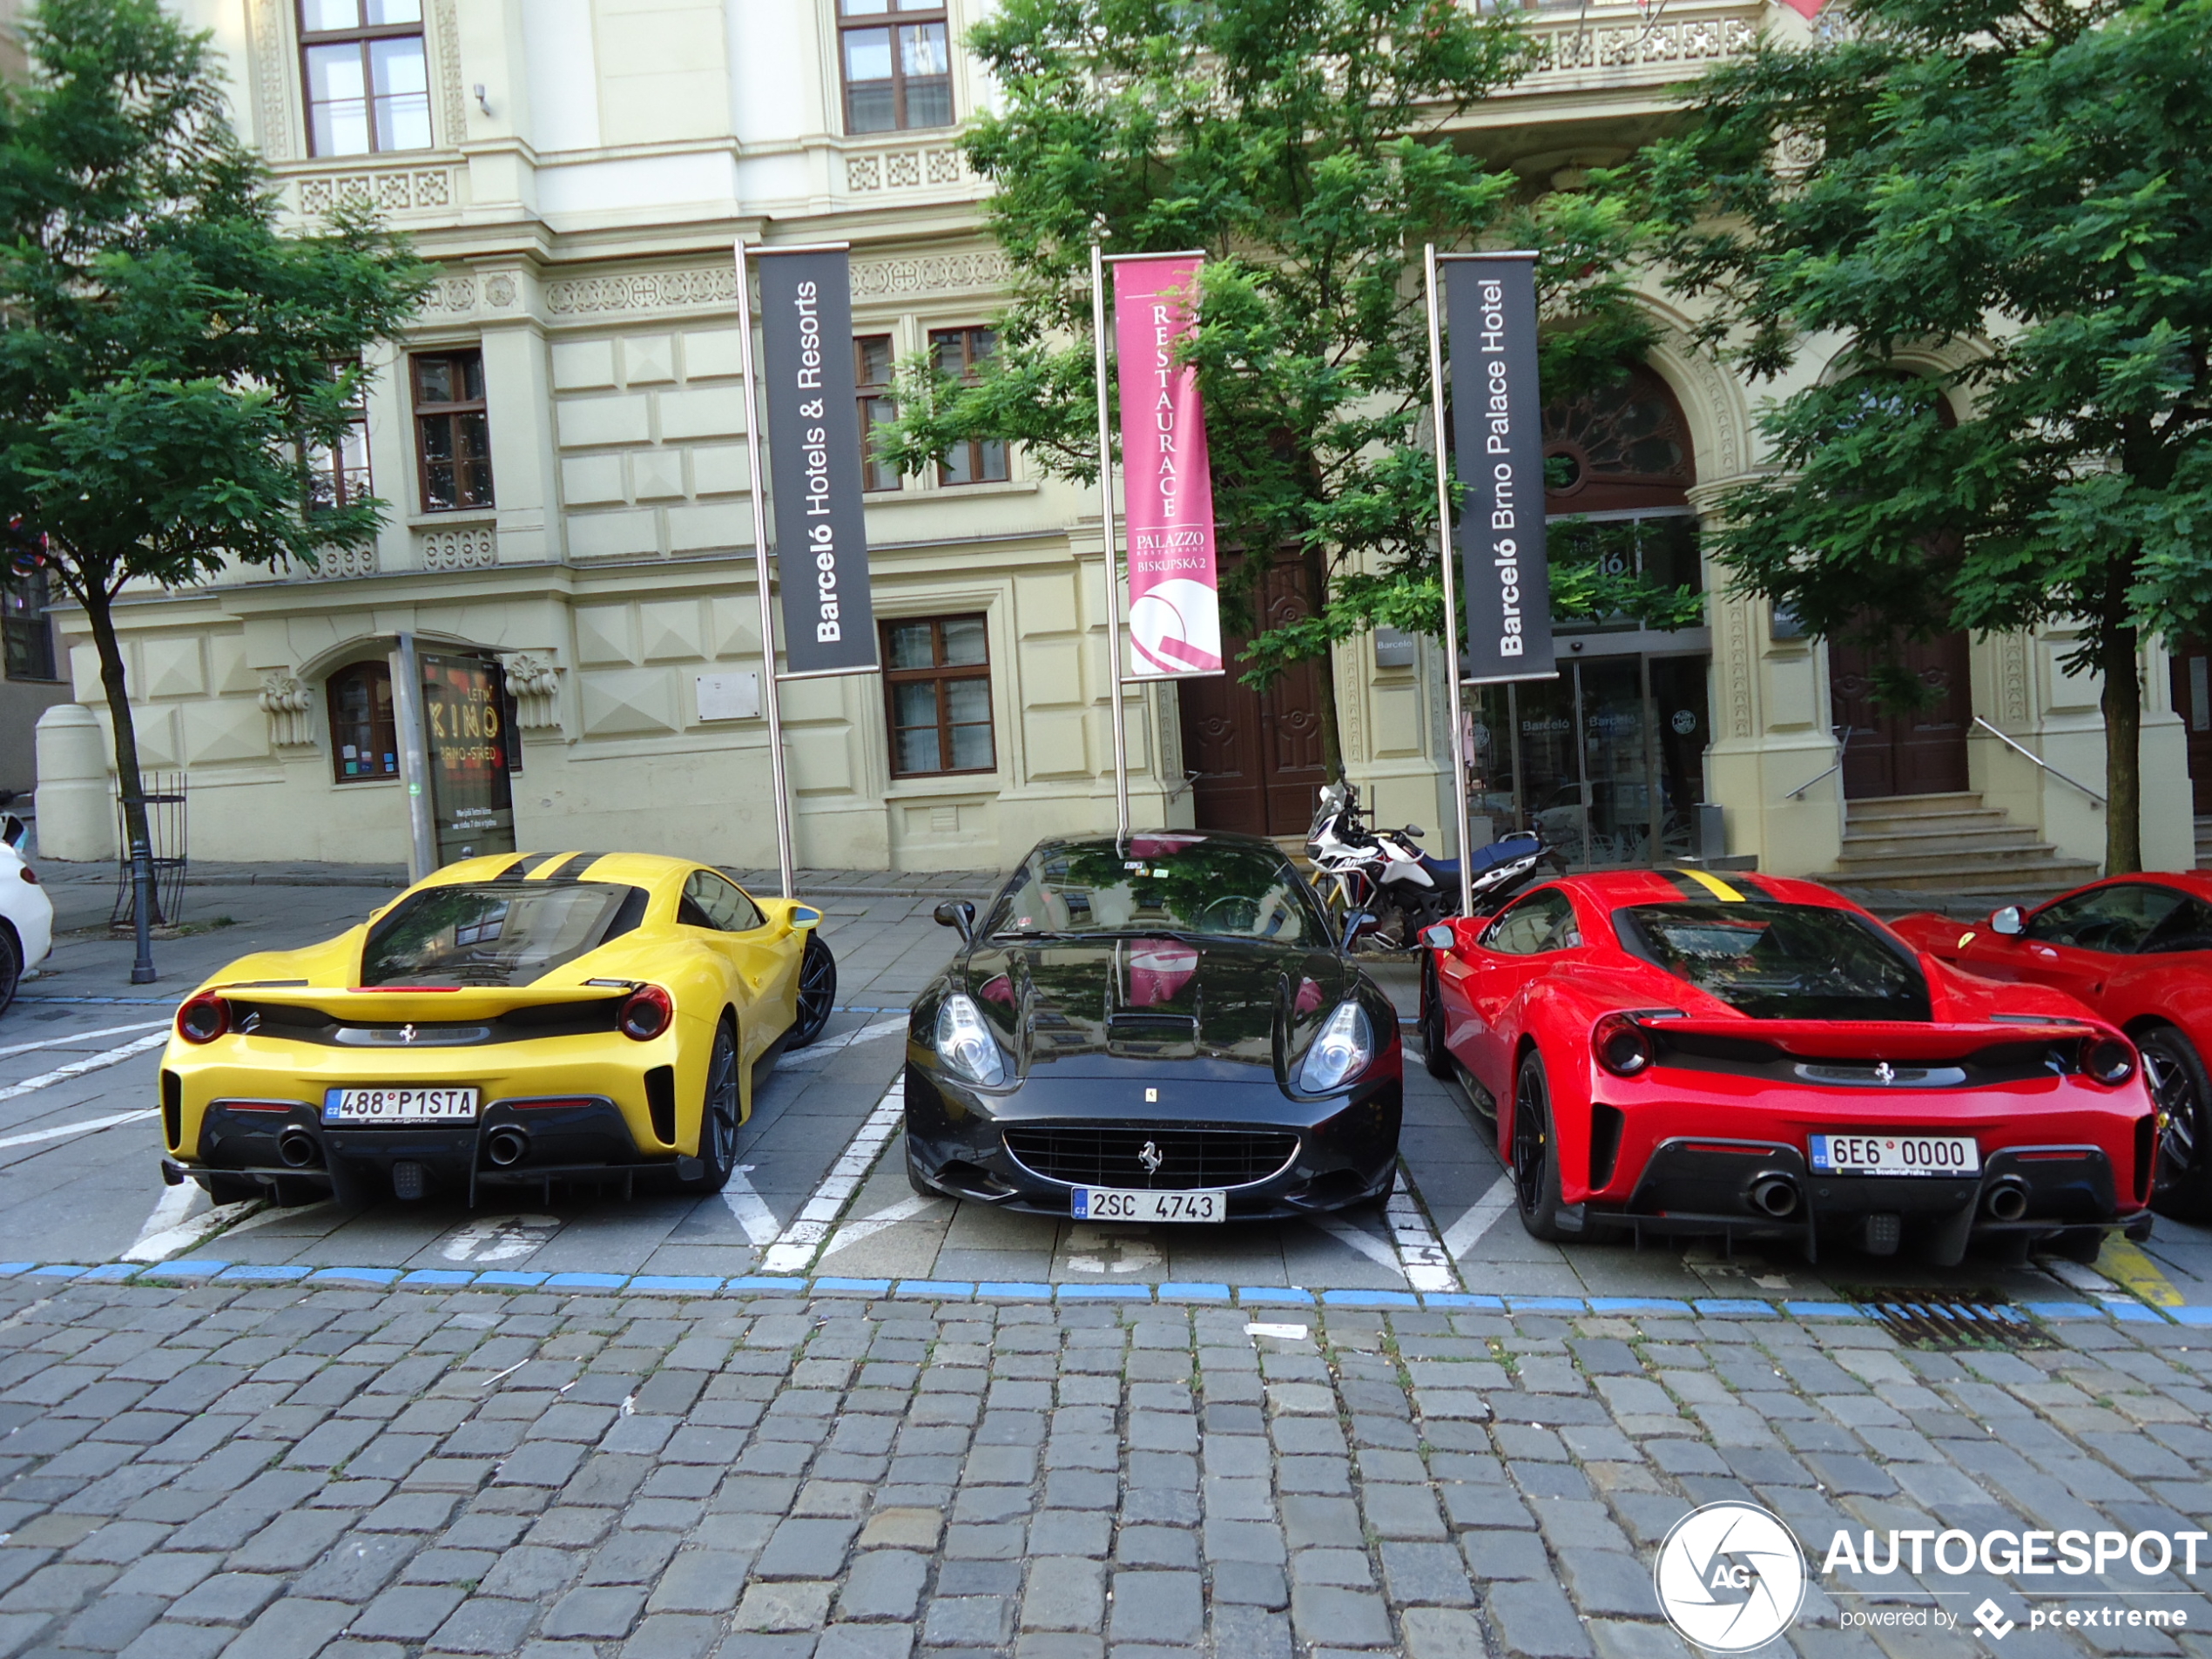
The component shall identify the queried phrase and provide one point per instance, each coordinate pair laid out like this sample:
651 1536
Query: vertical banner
815 461
1498 414
464 731
1174 584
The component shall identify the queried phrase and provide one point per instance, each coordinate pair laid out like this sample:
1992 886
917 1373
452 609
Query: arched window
364 741
1625 445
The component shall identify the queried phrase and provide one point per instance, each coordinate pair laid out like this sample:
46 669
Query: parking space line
1420 1257
85 1127
750 1208
867 1226
1464 1234
802 1241
1359 1238
828 1048
69 1037
90 1063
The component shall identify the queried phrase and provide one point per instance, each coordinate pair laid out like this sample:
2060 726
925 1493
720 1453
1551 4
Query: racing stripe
1681 883
545 862
1712 884
574 868
1752 885
513 872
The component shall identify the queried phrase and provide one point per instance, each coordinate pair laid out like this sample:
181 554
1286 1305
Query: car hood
1099 1007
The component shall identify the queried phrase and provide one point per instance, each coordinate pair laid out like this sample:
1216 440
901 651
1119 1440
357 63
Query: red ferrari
1673 1051
2137 950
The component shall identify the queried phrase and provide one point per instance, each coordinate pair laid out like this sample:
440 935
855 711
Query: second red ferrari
1680 1052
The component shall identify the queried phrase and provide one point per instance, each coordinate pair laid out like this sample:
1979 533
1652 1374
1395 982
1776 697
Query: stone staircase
1955 845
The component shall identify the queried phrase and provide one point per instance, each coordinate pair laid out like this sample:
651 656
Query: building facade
561 441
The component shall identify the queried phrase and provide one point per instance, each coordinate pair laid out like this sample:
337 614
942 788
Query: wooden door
2192 667
1917 751
1258 755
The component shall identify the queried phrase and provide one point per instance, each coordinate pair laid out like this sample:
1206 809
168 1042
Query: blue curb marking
2114 1307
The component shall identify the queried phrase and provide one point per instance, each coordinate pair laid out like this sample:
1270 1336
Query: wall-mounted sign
466 738
1497 417
814 462
729 697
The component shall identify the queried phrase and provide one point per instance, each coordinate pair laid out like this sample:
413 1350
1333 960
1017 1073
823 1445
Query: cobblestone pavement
277 1472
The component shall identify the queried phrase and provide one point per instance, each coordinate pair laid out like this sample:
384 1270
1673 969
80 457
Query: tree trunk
2123 711
1326 676
99 614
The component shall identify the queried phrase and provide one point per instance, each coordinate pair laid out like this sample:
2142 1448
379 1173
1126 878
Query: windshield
1180 884
494 934
1780 961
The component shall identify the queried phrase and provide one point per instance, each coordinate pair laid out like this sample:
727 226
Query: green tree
1306 146
2020 185
170 360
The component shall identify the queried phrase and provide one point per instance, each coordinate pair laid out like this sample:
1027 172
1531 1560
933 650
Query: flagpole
1112 561
1445 554
771 700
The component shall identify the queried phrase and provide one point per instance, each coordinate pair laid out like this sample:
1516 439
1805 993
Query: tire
922 1189
817 992
2182 1186
717 1115
2082 1245
1436 1059
1535 1160
10 967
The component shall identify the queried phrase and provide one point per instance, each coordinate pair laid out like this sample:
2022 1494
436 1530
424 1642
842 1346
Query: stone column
76 802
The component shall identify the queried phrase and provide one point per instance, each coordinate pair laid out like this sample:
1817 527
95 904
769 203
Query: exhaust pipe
296 1147
2007 1201
1776 1195
506 1146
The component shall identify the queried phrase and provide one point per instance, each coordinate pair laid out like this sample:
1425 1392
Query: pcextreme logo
1731 1577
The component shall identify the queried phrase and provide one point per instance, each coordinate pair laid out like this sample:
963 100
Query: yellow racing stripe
1713 885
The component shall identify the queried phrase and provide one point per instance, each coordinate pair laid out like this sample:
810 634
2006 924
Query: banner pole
769 698
1446 553
1112 560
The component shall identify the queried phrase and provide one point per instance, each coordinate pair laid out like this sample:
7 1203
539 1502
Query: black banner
814 462
1498 413
466 738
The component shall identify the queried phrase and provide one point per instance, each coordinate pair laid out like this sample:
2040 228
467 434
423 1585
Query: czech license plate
1895 1154
1115 1204
399 1106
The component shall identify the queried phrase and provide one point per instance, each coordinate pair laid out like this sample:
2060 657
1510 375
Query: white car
26 914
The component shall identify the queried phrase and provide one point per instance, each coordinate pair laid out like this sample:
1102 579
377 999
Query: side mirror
957 913
1358 923
2008 921
1440 936
1415 831
803 915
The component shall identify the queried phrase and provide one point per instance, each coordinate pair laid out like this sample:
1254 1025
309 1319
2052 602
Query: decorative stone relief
347 560
1736 626
499 292
395 190
473 548
454 293
290 706
1578 46
271 46
535 679
713 285
2013 681
904 170
930 273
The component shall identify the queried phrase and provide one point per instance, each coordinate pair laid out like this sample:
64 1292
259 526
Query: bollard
142 910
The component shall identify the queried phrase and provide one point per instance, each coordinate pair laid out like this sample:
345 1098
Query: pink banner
1174 587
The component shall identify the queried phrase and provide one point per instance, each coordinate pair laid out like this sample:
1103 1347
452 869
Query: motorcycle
1387 874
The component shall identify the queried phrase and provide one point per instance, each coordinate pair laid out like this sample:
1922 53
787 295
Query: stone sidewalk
285 1472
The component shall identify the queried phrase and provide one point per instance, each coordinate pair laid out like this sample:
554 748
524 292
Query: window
2116 919
452 437
1542 921
872 370
368 85
898 64
28 634
959 353
364 742
338 476
937 677
711 901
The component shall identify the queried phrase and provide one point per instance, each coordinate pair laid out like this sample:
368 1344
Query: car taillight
1623 1047
646 1014
2109 1060
203 1018
28 874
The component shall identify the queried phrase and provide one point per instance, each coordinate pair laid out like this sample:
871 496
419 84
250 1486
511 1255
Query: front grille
1113 1155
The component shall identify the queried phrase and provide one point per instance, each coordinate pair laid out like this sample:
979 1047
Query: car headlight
965 1042
1341 1052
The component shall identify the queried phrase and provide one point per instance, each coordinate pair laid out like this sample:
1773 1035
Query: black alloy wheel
10 967
718 1116
2183 1092
817 992
1435 1057
1535 1154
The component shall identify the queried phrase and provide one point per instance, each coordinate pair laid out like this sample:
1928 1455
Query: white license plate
1115 1203
399 1106
1895 1154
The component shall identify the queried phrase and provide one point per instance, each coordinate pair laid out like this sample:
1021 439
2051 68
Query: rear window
496 934
1778 961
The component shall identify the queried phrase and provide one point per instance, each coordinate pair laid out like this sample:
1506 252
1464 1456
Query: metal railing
2019 749
1842 735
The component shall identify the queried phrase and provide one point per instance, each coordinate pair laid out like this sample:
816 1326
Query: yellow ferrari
511 1022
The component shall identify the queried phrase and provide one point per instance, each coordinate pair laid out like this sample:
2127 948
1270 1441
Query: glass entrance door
1606 762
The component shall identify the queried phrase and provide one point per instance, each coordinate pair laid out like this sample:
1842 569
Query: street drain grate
1971 1320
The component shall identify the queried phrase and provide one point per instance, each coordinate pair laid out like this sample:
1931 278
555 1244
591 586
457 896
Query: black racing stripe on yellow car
573 869
545 861
513 872
1703 884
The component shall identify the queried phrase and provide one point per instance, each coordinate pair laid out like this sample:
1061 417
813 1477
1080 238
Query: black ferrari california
1159 1029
